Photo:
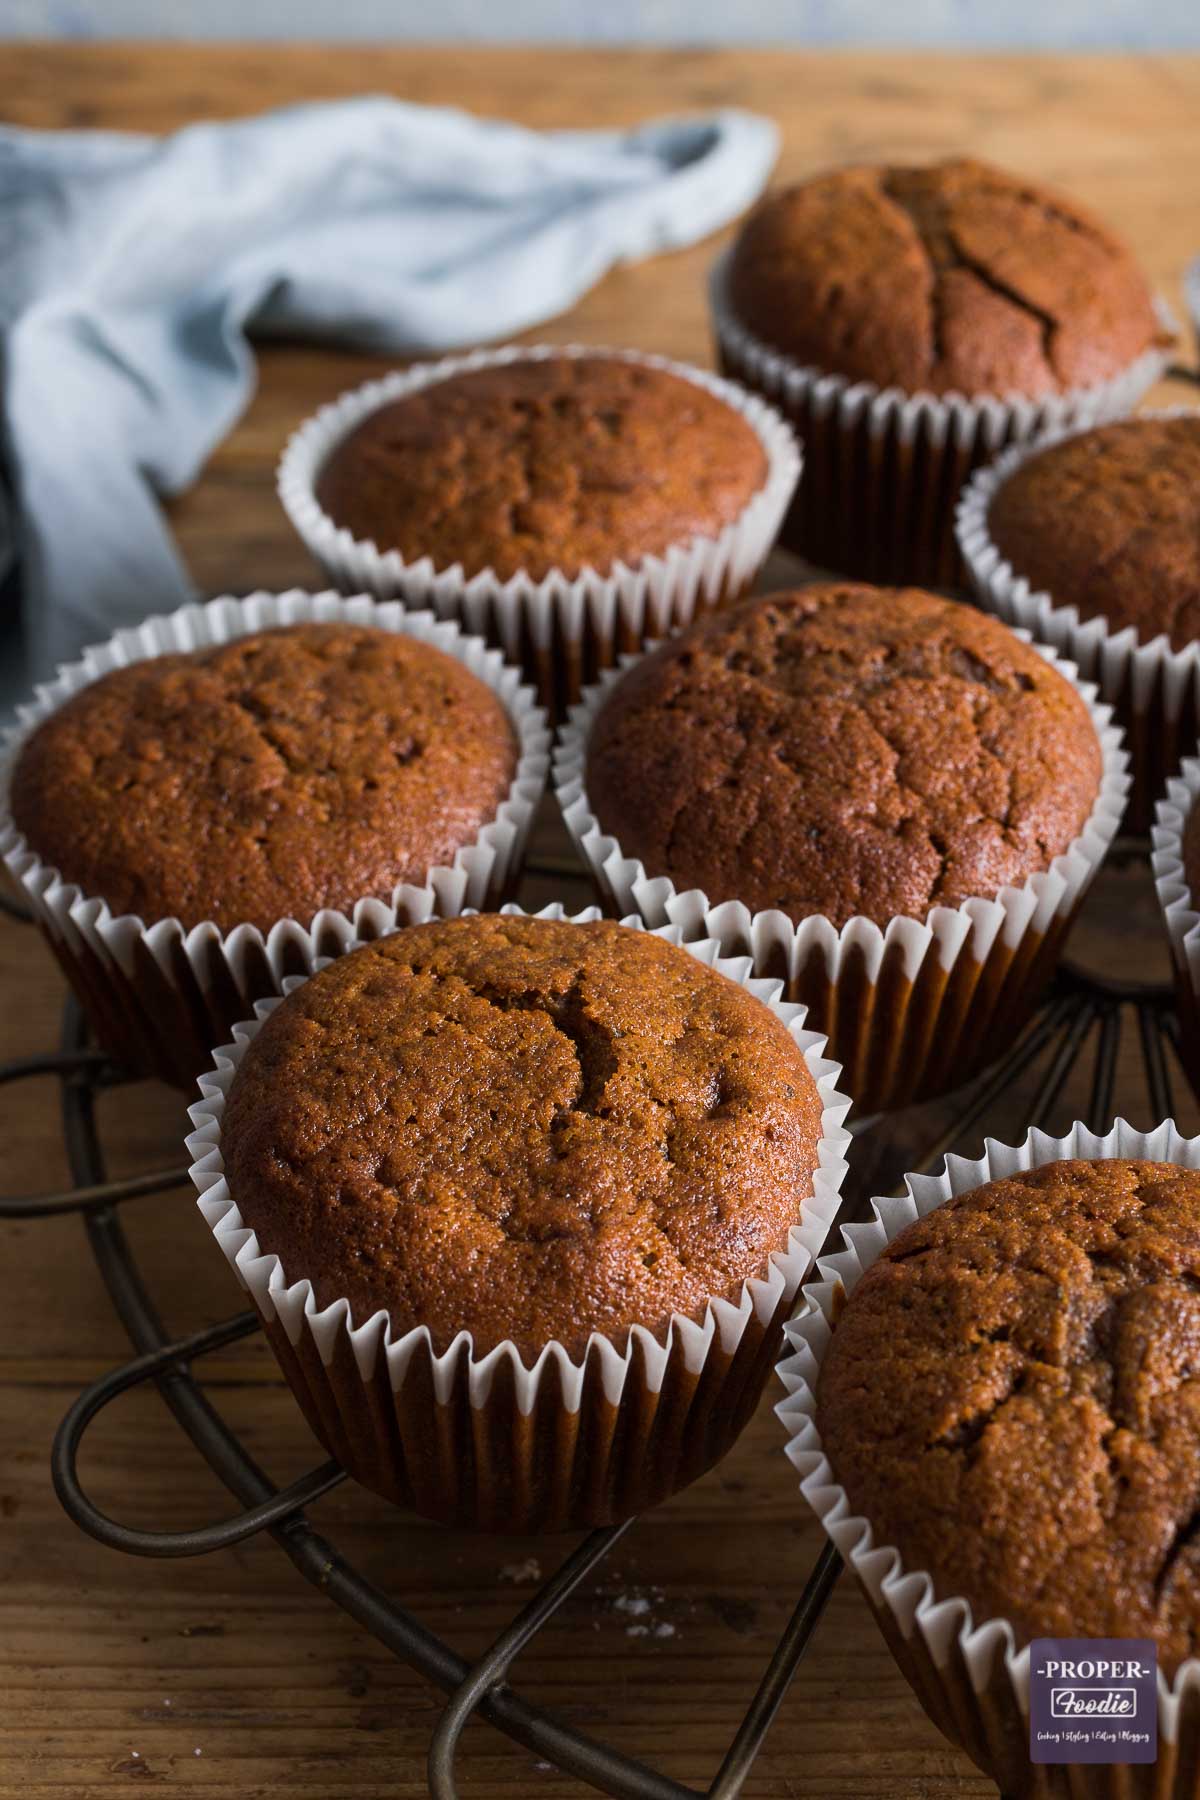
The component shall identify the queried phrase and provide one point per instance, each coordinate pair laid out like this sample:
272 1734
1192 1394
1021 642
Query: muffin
810 774
568 503
1007 1397
538 1154
192 819
1021 1460
266 778
1093 542
844 751
957 278
1108 521
910 321
568 463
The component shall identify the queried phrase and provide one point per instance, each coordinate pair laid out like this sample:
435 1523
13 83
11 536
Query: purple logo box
1093 1700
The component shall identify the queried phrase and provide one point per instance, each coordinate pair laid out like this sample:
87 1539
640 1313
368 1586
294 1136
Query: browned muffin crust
1010 1397
524 1129
844 750
563 463
957 277
1109 522
265 778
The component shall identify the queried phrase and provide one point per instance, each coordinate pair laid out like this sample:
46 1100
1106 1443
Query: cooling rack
1079 1027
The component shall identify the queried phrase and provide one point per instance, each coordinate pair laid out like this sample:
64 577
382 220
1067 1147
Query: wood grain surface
228 1677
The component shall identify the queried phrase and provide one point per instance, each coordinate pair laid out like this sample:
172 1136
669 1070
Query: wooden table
227 1676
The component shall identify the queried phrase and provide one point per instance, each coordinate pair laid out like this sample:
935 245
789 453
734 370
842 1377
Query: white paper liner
1154 690
122 966
644 1363
1178 904
975 948
591 616
883 468
947 1651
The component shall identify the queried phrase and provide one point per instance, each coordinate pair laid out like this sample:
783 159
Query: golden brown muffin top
563 462
265 778
523 1129
953 278
1011 1398
844 750
1108 521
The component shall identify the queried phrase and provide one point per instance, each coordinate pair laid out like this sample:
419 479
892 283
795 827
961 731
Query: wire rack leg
491 1669
778 1678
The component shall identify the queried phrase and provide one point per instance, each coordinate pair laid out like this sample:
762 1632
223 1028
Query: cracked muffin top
522 1128
953 278
1011 1398
265 778
1108 521
844 750
561 462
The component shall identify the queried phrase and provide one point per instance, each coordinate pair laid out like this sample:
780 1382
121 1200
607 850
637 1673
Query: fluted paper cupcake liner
1153 689
160 996
909 1010
484 1440
883 468
1179 906
564 628
971 1677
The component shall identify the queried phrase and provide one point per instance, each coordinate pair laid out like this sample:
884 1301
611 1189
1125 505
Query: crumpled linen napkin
134 268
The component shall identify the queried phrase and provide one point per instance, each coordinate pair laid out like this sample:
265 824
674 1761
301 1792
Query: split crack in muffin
844 750
267 777
1010 1397
956 277
544 463
524 1128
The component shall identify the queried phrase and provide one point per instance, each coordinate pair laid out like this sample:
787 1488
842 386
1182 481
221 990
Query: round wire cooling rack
1084 1015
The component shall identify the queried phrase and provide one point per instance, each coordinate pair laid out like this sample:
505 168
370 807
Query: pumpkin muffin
912 322
1108 521
953 278
267 777
541 464
527 1129
1009 1399
842 751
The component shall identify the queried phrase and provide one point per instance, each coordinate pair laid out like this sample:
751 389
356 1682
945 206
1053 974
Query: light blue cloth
131 269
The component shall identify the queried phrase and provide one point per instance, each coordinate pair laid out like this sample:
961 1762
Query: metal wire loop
171 1360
